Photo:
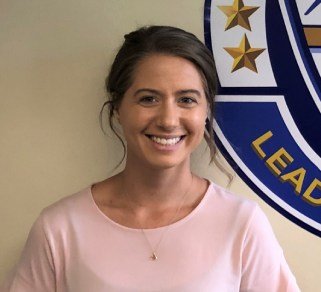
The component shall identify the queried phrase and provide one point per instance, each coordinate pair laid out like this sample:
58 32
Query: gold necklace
154 250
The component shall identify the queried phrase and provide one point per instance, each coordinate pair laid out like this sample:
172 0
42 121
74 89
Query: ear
117 116
208 113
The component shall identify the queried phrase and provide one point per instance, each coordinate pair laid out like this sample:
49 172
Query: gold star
238 14
244 55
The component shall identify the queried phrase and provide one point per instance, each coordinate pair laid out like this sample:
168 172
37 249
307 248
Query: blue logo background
290 110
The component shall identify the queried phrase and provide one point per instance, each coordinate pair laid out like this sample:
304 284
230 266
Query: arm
264 267
35 271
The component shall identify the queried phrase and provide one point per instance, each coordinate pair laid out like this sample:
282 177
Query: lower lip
166 147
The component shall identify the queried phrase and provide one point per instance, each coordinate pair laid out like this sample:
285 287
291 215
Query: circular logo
268 113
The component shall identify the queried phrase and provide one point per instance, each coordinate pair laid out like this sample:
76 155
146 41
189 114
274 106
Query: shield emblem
268 113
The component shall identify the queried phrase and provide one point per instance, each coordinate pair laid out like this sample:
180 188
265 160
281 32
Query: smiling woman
169 42
155 226
163 112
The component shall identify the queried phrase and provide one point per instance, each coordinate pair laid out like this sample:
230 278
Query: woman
155 226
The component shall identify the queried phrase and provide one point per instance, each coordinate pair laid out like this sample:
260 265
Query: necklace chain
154 249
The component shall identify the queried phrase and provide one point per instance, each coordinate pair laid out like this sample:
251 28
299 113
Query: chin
163 164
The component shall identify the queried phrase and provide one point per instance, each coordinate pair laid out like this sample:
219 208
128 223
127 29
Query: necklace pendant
153 257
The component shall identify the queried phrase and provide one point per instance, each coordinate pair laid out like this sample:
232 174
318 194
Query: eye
148 100
187 101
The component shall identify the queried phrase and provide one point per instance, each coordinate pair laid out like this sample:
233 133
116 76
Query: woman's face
163 112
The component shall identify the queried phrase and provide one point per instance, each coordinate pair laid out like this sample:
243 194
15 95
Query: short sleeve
35 270
264 267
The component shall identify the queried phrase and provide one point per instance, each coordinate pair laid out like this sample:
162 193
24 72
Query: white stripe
297 54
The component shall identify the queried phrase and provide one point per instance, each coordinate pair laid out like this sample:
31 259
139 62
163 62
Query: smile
165 141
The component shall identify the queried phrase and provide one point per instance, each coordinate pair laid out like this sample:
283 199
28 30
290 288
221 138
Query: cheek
199 118
133 122
197 125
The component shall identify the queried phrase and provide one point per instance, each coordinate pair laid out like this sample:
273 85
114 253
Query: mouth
168 141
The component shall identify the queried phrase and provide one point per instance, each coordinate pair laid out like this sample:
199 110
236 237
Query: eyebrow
146 89
189 91
154 91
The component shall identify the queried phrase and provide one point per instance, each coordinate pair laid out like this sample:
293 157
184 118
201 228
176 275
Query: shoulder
67 209
246 220
228 196
238 216
229 204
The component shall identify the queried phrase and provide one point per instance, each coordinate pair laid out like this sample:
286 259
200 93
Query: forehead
166 70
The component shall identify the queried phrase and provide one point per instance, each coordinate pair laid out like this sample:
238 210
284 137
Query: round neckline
172 225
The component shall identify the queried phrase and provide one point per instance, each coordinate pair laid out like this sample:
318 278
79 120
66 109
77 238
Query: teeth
163 141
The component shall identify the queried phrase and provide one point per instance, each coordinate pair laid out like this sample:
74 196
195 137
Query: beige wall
53 59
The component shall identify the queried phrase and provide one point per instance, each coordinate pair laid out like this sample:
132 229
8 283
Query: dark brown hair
161 40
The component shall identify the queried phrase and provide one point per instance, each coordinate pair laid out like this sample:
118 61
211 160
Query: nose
168 117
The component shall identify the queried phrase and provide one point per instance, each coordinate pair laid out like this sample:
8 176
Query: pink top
224 244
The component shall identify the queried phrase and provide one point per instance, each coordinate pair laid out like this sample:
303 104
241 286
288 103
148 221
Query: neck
147 187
